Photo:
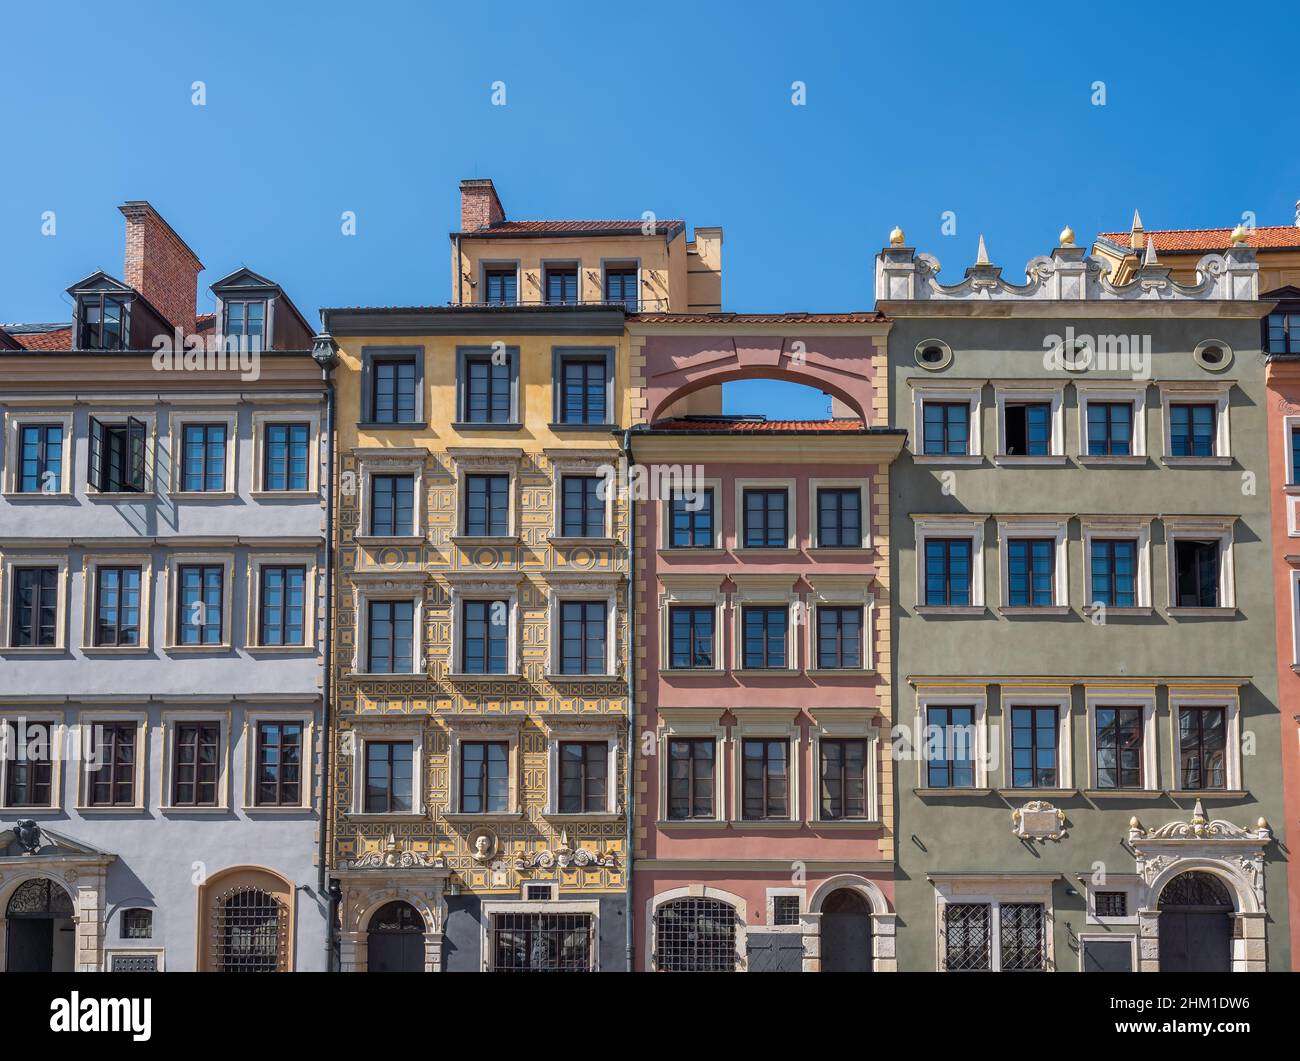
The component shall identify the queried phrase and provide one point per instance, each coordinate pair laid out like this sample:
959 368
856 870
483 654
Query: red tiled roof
797 317
204 322
759 427
58 339
1193 240
577 228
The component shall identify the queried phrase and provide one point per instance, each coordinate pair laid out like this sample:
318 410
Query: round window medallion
1213 355
933 354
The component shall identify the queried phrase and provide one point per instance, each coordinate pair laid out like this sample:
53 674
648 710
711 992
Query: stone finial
1149 258
1067 237
1238 236
1262 824
1135 235
982 255
1133 823
896 237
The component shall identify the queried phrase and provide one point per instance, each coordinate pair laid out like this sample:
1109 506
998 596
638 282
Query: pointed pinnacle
982 257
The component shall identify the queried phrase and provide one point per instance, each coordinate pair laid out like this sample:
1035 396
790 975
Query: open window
117 456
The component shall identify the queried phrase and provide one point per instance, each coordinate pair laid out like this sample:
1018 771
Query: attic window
246 324
104 322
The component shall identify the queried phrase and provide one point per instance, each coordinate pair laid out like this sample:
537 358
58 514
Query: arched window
1195 889
250 930
695 935
39 898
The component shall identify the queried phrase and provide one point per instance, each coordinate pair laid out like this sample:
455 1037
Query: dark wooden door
1195 941
30 945
396 940
846 933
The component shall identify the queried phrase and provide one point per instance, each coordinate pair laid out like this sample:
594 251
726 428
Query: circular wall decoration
1213 355
933 354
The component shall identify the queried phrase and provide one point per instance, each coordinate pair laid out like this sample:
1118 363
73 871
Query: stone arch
244 878
380 900
11 884
883 921
1239 887
868 889
739 905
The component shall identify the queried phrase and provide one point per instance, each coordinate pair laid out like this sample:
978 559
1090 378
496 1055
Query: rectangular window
1196 570
765 519
196 765
1191 429
284 465
948 572
203 465
542 943
1028 429
1114 572
1295 457
1119 747
390 637
35 608
950 747
621 286
117 607
392 505
1021 948
117 456
1202 748
582 512
691 521
283 597
29 768
839 519
137 923
1284 333
1110 904
1034 736
785 910
582 385
584 770
764 632
104 323
691 636
484 777
691 779
1031 572
582 637
967 938
945 428
487 388
844 779
389 777
279 764
110 770
485 637
40 459
562 285
1110 429
766 779
246 323
502 286
200 602
392 397
839 637
487 505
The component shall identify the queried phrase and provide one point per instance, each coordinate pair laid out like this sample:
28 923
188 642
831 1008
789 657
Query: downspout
325 351
460 275
630 663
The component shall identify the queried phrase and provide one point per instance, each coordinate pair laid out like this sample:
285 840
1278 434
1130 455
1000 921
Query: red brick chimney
479 205
160 265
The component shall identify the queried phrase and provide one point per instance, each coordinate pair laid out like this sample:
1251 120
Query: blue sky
680 108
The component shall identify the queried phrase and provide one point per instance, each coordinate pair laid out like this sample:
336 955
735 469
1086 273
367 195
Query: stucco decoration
391 856
1038 820
566 857
483 845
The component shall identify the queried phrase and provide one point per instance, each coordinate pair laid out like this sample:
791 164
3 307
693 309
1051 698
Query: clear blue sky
680 108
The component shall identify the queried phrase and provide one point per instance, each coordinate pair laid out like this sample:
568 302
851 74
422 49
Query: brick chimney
479 205
160 265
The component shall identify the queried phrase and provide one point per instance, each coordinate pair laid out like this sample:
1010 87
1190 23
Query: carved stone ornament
1038 820
483 845
393 857
1200 828
566 857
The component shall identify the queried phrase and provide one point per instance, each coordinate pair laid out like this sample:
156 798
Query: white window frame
992 893
1103 391
666 522
463 730
1201 528
1195 696
16 714
480 588
767 723
584 463
382 586
169 720
286 415
791 514
252 719
841 591
376 732
1020 527
1205 392
976 697
90 565
697 591
170 576
573 732
86 722
970 391
765 590
960 525
10 561
563 592
253 629
476 460
863 487
1291 489
1018 392
1139 696
495 908
692 723
1135 528
1293 581
15 420
769 923
371 462
845 725
177 420
1059 697
1128 883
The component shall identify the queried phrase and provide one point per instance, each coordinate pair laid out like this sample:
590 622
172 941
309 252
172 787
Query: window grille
541 943
1022 937
966 937
250 932
1111 904
695 936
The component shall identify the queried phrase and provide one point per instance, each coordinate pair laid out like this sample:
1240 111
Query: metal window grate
966 937
1022 937
785 909
1111 904
137 923
695 936
541 943
251 930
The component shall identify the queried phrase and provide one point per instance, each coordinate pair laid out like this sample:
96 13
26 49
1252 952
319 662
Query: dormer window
104 322
246 324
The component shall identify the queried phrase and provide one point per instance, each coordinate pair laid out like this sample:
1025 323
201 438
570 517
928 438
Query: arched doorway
695 935
395 941
41 936
1195 925
846 933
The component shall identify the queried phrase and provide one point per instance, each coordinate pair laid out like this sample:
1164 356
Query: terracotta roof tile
1193 240
576 228
758 427
56 339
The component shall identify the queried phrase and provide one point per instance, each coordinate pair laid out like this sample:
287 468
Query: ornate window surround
1113 390
10 561
1006 391
588 732
373 730
994 890
1197 695
1055 527
692 723
789 485
1039 694
863 487
835 724
60 744
951 525
1205 391
970 391
1135 695
382 585
940 695
665 512
769 590
471 586
1138 528
480 460
177 419
463 728
170 718
15 418
576 462
700 591
584 587
771 723
839 591
372 462
90 565
1201 528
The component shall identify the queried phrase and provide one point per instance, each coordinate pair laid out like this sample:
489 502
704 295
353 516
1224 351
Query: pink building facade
764 783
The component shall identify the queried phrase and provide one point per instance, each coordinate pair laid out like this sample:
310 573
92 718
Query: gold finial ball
1238 235
1067 236
896 237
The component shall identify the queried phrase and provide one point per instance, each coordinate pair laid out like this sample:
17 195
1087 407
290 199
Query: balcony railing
645 305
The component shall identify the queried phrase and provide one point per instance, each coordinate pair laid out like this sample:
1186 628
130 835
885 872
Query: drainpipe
630 663
460 274
325 351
